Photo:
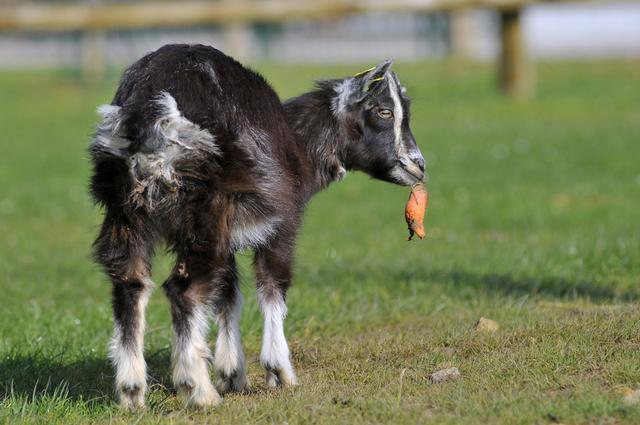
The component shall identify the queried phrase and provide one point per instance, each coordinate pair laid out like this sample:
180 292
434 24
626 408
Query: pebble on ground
487 325
443 375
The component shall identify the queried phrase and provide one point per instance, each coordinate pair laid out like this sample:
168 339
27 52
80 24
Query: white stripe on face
397 114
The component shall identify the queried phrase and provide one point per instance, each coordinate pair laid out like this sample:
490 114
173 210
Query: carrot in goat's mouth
415 209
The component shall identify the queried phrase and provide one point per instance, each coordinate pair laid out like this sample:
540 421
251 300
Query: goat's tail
158 145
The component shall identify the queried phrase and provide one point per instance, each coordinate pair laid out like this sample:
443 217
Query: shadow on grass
32 377
510 284
505 284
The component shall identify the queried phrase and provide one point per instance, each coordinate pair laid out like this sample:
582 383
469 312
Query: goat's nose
419 161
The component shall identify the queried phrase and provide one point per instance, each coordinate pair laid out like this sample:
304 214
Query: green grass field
534 222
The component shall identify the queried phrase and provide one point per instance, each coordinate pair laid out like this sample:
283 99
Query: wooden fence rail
514 74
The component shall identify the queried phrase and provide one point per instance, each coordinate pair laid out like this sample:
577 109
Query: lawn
534 222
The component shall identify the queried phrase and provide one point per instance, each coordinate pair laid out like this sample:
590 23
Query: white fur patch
107 136
252 234
275 351
171 126
190 355
229 358
131 368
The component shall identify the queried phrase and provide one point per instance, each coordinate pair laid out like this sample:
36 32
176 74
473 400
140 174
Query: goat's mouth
408 172
403 177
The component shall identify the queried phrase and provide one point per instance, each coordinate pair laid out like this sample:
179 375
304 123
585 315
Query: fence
514 70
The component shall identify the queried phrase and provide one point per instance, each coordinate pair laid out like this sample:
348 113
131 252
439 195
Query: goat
198 151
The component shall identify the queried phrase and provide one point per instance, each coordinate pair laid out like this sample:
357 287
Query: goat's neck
317 129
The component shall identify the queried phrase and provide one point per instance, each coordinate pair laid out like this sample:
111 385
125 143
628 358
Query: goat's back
189 125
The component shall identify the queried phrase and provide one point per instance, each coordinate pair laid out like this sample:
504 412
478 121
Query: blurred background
97 35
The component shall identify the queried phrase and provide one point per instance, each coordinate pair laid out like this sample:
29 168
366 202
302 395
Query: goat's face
374 110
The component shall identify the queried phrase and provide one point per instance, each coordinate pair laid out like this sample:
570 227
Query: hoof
280 378
236 382
200 397
131 397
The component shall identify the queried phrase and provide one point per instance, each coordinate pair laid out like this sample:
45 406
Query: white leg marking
190 356
128 359
229 357
275 351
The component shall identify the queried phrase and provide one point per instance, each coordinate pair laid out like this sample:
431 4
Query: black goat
199 151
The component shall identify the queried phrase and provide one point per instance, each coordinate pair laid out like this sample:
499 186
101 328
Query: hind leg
229 357
124 252
192 290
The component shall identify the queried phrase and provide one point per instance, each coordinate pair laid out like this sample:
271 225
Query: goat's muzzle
414 166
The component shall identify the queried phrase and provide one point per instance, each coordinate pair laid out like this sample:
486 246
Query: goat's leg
273 270
124 253
229 357
190 289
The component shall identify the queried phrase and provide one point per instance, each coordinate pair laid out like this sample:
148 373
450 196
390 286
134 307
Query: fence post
461 33
237 37
93 60
515 71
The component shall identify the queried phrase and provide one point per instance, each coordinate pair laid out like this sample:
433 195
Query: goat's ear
370 80
357 88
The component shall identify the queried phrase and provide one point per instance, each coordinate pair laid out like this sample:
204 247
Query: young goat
199 151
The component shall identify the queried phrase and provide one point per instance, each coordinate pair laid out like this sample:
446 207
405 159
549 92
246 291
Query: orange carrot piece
415 209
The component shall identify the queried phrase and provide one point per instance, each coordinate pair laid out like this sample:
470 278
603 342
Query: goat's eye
385 113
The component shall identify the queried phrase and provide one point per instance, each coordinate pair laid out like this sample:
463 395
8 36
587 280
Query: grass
534 222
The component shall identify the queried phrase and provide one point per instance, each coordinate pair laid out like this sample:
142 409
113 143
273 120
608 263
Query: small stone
487 325
443 375
623 390
632 398
628 395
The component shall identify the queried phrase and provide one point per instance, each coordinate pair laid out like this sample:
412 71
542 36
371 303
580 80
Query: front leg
273 266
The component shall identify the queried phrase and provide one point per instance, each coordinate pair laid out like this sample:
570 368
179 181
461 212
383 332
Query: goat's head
373 110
